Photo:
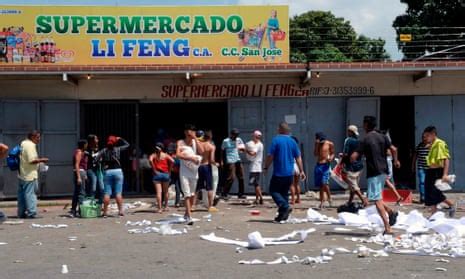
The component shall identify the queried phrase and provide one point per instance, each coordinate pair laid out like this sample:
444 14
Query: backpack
12 161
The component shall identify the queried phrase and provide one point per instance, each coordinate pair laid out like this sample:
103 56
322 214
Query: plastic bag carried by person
445 186
338 176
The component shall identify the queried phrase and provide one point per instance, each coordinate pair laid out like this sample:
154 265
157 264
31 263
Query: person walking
28 175
420 165
161 164
231 161
438 162
113 173
80 162
352 170
282 153
324 153
187 151
374 147
254 150
94 183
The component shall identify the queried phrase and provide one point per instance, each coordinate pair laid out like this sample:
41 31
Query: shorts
188 185
353 179
375 187
205 178
113 182
161 177
254 179
322 174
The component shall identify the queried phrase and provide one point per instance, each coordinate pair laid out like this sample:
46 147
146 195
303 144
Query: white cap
257 133
353 129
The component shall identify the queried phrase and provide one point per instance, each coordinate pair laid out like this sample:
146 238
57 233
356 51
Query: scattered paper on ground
257 241
49 226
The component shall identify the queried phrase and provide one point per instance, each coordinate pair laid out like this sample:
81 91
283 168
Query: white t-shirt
255 161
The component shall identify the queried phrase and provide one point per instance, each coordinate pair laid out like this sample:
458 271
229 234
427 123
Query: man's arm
268 161
212 154
300 165
331 152
394 156
77 160
445 173
179 153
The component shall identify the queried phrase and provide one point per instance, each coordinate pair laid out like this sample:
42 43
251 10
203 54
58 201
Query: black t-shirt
374 146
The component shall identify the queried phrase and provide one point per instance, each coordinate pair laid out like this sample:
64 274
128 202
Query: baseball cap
257 133
353 129
235 131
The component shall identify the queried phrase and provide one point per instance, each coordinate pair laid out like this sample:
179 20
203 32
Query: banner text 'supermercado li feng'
143 35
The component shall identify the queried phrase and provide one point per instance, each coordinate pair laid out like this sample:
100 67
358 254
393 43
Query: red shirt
162 165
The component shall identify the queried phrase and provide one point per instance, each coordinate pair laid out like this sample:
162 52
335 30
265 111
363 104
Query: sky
372 18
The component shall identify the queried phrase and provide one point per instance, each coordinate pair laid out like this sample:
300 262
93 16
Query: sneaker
189 221
225 197
451 211
242 197
393 218
213 209
279 218
286 214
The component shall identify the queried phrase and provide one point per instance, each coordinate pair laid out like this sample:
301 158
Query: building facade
150 103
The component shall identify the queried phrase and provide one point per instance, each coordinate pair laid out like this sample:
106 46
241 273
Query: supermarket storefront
153 104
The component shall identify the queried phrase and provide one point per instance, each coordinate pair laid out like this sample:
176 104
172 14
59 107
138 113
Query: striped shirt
422 152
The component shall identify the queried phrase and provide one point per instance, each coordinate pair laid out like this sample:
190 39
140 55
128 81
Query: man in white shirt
254 149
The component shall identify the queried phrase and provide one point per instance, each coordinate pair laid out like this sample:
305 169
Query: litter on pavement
257 241
49 226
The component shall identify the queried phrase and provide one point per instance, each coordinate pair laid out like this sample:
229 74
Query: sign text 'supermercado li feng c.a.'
94 35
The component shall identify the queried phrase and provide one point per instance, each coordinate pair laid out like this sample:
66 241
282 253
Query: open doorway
164 122
397 114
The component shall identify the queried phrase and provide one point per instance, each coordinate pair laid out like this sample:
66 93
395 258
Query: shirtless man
205 169
187 151
324 152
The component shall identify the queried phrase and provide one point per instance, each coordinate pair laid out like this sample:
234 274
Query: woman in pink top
161 164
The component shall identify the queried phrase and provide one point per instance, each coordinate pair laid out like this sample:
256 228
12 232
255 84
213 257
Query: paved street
104 249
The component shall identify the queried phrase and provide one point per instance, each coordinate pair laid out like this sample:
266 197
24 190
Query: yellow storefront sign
102 35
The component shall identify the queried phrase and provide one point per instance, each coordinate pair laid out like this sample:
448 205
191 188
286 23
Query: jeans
94 185
79 190
232 171
27 200
113 181
421 182
279 190
177 185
